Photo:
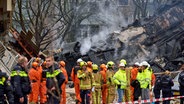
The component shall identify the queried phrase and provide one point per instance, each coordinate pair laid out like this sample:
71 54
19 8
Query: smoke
110 19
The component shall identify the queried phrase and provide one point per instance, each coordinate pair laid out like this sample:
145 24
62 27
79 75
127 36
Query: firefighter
34 76
20 81
89 66
63 87
55 79
111 88
133 75
181 83
104 86
166 84
5 89
97 84
120 79
76 80
85 78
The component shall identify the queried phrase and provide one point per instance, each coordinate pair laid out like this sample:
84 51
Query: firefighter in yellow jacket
120 79
85 78
111 88
97 85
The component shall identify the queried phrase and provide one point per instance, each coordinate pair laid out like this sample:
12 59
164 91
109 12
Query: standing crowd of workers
45 82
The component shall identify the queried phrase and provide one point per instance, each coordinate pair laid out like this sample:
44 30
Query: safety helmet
123 61
62 63
89 63
103 66
34 64
79 60
137 64
38 60
145 63
95 67
110 64
122 64
83 63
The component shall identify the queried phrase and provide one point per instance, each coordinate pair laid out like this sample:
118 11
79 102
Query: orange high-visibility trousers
33 96
35 83
63 87
104 93
43 92
63 94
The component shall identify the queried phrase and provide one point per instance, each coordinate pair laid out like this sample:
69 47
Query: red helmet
62 63
34 64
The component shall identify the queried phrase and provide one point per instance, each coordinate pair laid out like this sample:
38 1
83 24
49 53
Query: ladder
7 59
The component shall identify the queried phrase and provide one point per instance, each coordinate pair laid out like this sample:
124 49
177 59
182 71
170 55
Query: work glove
119 86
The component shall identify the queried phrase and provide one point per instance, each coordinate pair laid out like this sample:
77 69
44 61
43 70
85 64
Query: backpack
181 78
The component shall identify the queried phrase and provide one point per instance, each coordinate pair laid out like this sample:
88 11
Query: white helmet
137 64
122 64
79 60
145 63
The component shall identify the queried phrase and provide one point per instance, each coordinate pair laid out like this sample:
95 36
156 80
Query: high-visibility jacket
109 76
120 78
20 81
134 72
98 80
5 89
148 76
144 78
57 73
85 78
74 74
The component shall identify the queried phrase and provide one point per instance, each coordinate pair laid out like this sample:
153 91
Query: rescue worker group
45 82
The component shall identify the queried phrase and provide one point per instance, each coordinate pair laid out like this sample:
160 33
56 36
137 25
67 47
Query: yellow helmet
123 61
95 67
83 63
110 64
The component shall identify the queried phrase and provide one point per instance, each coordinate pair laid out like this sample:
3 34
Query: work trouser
145 94
85 96
43 92
165 94
111 93
96 95
77 92
33 96
157 94
63 94
120 95
127 95
181 94
104 93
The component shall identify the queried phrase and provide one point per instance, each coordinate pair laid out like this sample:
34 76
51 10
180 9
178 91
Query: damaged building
158 39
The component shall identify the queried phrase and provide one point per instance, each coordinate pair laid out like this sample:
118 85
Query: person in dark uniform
157 88
20 81
166 84
53 86
5 89
181 83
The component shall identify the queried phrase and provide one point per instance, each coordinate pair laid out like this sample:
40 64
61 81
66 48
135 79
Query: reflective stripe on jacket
85 79
120 78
